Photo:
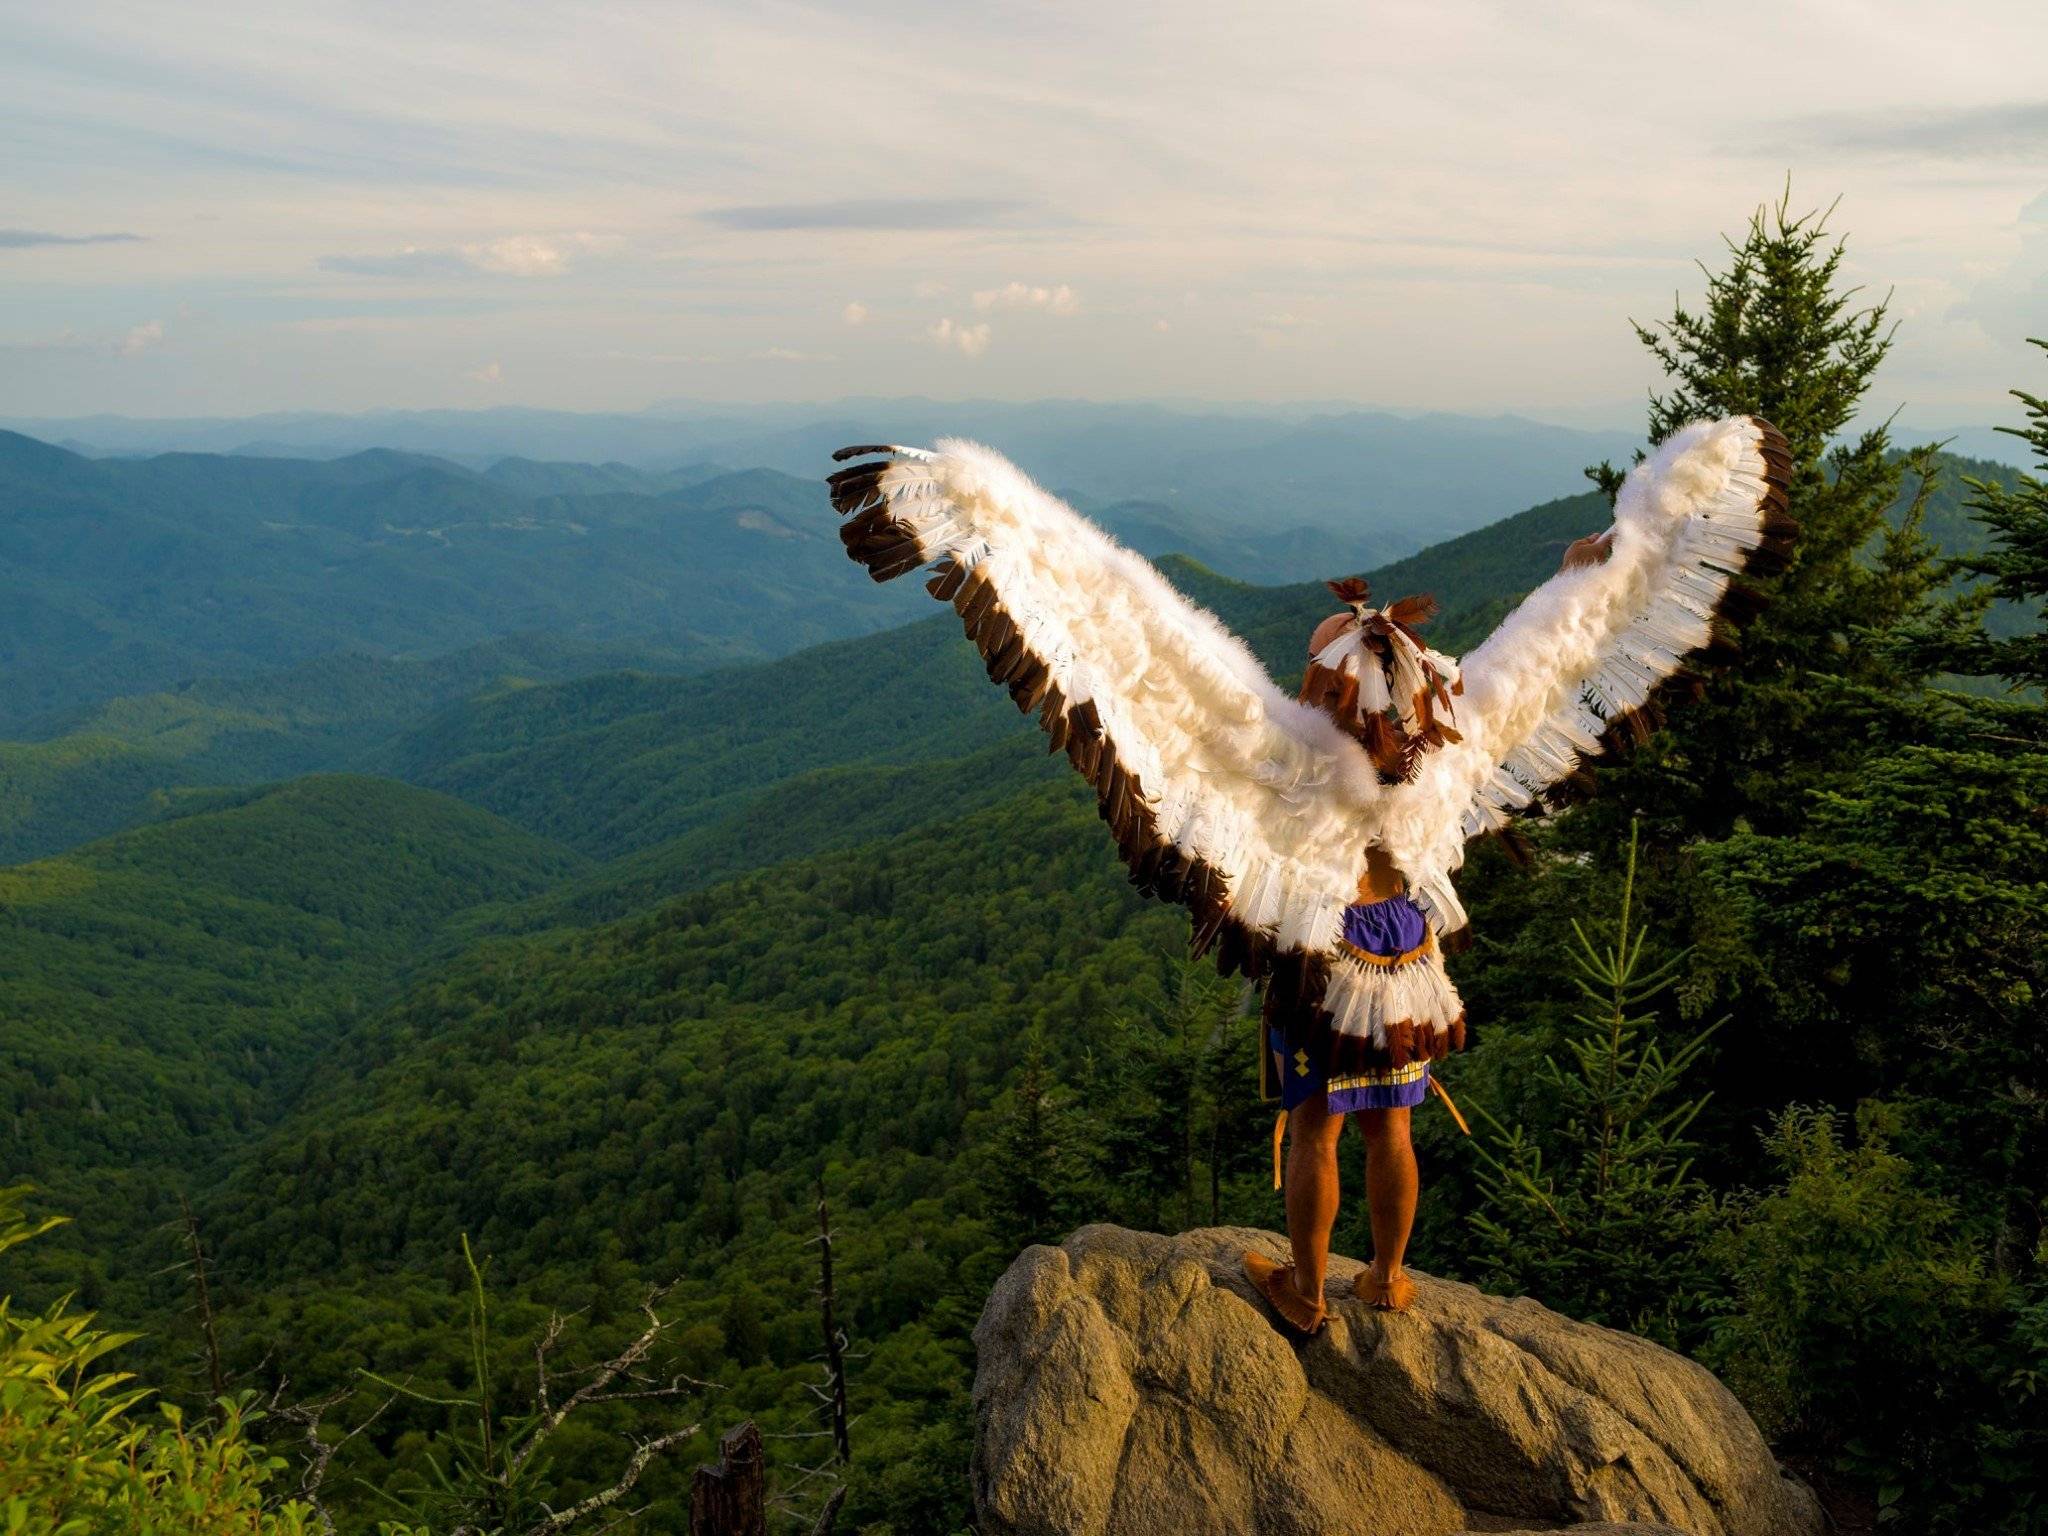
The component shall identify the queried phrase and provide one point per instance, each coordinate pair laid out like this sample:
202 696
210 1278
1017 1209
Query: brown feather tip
1514 842
1417 609
1741 602
858 492
1350 589
861 450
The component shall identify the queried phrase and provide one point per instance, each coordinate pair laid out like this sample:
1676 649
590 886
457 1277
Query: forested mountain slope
618 762
162 990
655 1099
808 813
850 914
101 767
614 765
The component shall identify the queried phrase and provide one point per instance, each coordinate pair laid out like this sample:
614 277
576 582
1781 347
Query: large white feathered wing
1577 668
1223 793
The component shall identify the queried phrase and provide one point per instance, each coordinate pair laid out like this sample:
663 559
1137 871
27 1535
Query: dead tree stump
731 1498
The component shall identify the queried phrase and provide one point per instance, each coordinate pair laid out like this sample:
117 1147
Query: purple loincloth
1387 929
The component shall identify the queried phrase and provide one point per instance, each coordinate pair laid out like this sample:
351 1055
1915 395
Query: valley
507 883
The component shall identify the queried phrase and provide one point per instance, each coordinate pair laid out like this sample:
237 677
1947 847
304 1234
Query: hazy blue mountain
556 477
130 575
1392 482
1973 441
1250 554
535 477
1383 476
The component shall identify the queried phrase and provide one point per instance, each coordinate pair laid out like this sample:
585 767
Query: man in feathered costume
1373 674
1314 838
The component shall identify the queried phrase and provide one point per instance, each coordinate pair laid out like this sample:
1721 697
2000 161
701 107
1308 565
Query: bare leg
1391 1187
1313 1134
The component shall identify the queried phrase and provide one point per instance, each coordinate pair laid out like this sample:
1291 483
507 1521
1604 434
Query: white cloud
666 358
855 314
2009 302
490 373
1492 264
972 340
1057 300
792 355
513 256
517 256
142 337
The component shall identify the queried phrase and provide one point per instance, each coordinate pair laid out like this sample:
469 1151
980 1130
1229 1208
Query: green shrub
1868 1326
77 1459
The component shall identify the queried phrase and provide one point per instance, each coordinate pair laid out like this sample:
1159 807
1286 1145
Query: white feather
1268 790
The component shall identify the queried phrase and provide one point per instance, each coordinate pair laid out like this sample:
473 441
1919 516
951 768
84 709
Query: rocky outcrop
1130 1384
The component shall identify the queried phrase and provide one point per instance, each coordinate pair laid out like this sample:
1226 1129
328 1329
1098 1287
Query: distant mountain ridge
97 768
670 771
1390 481
125 576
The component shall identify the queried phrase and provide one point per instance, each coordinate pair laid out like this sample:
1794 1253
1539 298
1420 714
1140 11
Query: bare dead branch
679 1386
214 1376
541 1346
835 1341
646 1452
321 1452
830 1513
602 1376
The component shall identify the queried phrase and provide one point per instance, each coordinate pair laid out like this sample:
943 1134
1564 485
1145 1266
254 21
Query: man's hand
1591 550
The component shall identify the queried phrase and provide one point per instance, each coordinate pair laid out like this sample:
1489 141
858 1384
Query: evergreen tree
1780 338
1905 921
1890 1300
1864 1329
2016 565
1761 742
1600 1213
1029 1160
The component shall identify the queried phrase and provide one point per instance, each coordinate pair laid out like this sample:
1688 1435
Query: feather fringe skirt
1374 1013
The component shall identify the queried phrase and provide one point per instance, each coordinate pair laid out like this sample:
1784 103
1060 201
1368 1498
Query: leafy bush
76 1459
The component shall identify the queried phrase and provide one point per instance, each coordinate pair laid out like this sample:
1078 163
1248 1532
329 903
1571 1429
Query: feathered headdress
1379 664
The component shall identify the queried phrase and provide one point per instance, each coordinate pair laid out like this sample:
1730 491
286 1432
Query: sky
229 208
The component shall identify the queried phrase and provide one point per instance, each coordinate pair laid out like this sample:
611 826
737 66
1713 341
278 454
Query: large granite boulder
1130 1384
